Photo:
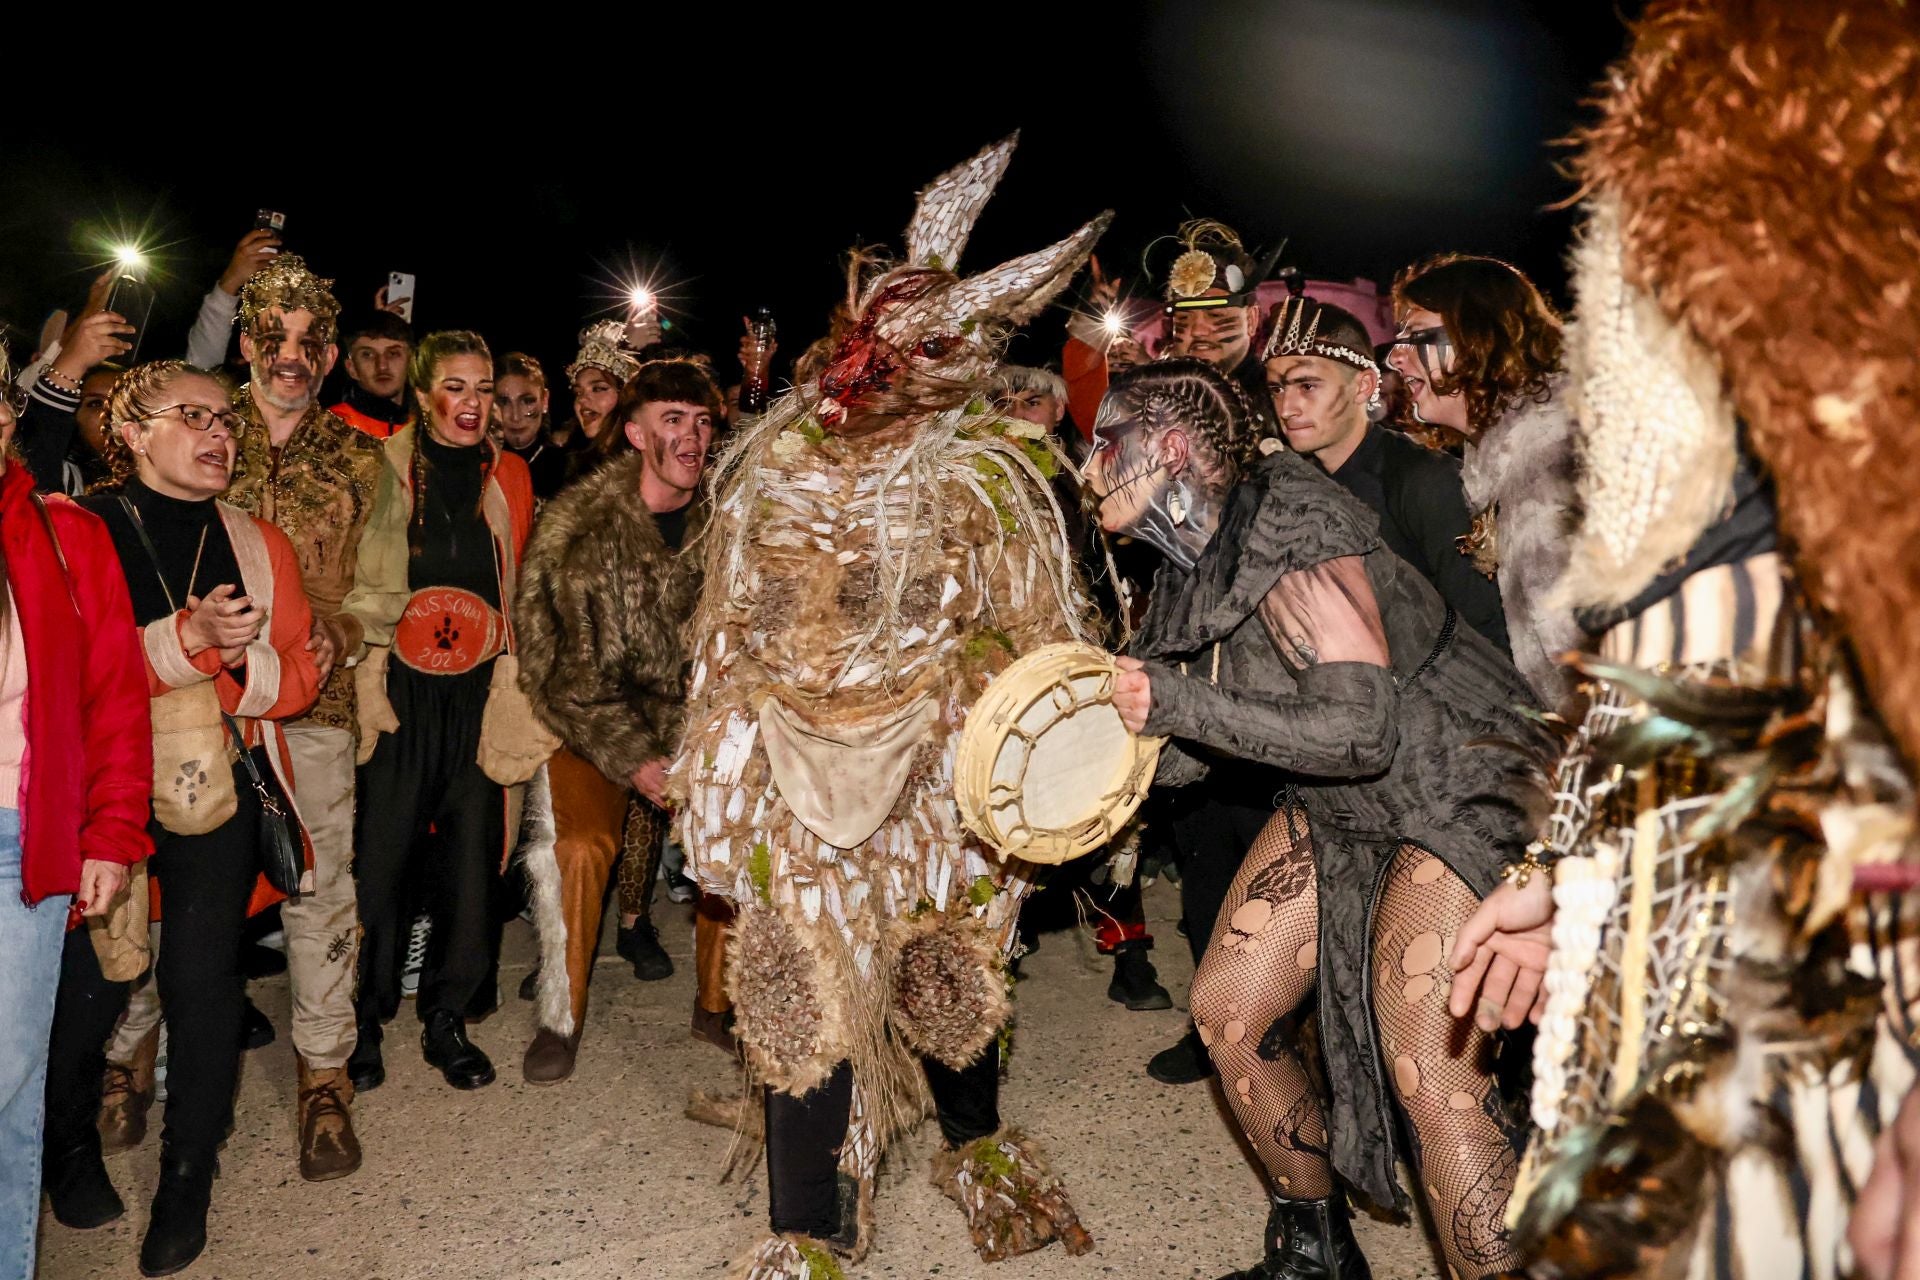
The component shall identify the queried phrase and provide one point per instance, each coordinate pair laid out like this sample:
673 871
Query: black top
448 536
672 525
1417 494
174 526
546 462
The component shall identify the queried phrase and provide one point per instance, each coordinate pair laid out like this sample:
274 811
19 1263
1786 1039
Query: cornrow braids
422 367
1198 398
136 394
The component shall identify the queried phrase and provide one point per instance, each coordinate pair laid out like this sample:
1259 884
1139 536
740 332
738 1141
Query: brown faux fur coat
600 615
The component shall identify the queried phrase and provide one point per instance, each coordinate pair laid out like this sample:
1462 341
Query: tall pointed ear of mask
951 204
1020 288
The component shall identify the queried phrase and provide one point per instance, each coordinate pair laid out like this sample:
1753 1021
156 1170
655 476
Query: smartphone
131 298
400 293
271 220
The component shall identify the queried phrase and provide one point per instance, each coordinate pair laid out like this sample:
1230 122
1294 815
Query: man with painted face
882 543
1211 312
1322 382
1282 631
310 473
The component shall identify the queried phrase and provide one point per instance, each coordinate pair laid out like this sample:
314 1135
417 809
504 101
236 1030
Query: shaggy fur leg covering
1013 1202
554 1009
950 991
788 1257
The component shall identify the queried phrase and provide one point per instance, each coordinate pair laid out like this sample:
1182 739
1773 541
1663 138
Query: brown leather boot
328 1147
550 1057
126 1094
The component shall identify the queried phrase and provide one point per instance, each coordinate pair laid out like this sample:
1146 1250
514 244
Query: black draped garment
1380 756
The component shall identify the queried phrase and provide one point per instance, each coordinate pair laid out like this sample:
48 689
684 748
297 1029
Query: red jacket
87 777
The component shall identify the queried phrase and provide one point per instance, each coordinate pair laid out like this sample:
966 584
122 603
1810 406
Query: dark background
524 174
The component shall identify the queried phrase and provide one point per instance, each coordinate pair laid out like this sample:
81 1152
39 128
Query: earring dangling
1176 508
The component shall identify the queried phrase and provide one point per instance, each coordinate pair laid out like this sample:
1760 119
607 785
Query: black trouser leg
1215 827
470 821
205 883
389 793
804 1137
83 1017
966 1102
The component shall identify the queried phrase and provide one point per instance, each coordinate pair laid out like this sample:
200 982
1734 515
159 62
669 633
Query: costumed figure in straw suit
882 543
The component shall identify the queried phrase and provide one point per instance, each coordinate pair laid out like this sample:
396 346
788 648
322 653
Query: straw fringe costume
1728 1028
859 594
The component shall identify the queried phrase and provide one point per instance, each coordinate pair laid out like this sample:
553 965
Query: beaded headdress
1293 329
600 349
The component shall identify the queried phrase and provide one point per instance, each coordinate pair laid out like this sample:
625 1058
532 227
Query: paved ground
602 1178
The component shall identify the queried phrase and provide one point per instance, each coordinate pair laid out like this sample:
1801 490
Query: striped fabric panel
1729 613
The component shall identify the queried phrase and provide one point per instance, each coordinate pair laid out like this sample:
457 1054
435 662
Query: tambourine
1046 770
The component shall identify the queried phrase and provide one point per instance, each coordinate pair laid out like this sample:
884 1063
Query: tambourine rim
973 785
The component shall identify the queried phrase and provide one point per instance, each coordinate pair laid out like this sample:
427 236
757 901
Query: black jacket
1416 493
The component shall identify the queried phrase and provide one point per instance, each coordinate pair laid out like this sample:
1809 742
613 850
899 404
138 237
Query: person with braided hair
1281 630
222 616
445 734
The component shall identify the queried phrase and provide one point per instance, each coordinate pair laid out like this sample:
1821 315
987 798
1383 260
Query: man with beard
314 476
377 354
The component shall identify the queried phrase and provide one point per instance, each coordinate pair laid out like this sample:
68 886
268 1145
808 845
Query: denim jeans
30 939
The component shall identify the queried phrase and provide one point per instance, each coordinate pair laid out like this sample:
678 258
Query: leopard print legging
1261 964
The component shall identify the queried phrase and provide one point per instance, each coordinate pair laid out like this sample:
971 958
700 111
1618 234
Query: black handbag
282 855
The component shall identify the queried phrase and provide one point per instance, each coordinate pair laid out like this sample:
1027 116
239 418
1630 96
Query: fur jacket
1521 471
600 615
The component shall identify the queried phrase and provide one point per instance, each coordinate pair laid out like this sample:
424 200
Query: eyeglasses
200 417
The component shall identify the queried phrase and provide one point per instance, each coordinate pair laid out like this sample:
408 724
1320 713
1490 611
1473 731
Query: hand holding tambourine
1049 767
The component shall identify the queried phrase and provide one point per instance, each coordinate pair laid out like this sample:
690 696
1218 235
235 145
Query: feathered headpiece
600 349
286 284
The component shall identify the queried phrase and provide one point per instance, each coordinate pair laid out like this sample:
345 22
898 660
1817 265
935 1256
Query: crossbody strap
59 552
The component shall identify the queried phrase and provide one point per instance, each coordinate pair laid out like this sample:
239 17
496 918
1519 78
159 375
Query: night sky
736 165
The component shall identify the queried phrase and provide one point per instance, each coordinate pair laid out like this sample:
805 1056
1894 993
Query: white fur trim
161 639
256 579
554 1002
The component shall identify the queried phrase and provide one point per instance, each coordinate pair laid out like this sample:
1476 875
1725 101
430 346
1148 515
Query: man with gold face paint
313 475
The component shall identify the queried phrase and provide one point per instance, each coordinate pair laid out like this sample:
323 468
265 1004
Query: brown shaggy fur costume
610 682
1766 155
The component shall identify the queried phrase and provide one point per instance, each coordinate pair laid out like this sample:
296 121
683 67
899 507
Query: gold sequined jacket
318 488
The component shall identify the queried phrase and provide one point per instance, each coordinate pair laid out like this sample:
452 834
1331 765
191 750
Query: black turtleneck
174 526
451 543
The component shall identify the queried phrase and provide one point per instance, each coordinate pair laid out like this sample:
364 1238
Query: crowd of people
1536 767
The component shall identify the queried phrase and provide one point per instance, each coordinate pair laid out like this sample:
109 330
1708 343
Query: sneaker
1135 984
416 956
160 1067
679 887
256 1029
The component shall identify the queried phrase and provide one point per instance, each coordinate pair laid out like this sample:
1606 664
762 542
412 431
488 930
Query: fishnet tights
1259 966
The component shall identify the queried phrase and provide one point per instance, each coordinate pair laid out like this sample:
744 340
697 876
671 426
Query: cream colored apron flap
842 783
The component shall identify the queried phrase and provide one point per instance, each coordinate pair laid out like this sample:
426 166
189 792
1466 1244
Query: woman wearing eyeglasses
1479 349
221 617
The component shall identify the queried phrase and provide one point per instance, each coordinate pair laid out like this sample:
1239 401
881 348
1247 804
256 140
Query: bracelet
60 380
1519 873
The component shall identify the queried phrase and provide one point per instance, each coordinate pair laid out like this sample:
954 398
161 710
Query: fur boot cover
1765 160
788 1257
1013 1202
599 620
950 990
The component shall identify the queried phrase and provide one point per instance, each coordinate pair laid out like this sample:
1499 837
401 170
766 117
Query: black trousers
425 775
804 1136
205 884
1215 822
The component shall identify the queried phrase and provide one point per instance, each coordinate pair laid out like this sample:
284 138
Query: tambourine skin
1046 771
